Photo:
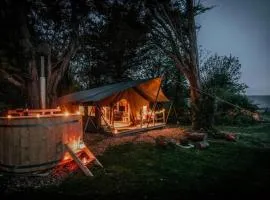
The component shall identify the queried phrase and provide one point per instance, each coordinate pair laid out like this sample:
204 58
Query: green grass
144 171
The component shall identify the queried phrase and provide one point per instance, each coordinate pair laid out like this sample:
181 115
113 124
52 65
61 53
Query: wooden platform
136 129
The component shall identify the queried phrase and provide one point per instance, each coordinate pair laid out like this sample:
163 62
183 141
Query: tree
109 49
152 63
174 32
47 28
223 91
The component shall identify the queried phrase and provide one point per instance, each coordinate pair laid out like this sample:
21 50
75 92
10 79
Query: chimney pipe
42 84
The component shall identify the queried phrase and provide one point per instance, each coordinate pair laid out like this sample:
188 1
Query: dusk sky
242 28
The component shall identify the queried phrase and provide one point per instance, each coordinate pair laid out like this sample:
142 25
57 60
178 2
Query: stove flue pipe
42 84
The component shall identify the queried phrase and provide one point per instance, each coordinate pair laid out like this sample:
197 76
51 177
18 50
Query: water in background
262 101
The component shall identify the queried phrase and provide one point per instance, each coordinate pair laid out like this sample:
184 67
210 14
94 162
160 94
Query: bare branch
11 79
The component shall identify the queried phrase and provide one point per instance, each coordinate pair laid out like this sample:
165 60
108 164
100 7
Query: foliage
173 31
110 49
155 64
239 119
50 29
223 93
221 75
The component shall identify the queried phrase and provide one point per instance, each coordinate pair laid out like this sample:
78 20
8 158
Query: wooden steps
79 162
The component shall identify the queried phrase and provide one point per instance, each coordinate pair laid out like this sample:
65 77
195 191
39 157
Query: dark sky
242 28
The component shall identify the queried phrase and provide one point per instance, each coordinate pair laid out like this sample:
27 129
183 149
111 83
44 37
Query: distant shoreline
262 101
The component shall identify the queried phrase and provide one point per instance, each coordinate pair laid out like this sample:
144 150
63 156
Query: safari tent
122 107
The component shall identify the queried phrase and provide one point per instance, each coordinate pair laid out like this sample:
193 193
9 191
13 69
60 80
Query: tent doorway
118 115
121 112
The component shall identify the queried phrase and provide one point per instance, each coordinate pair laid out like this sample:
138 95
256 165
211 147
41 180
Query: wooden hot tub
33 143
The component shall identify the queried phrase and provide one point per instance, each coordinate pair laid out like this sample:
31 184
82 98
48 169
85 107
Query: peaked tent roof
147 88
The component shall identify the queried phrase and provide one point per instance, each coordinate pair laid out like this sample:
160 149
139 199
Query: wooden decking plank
124 133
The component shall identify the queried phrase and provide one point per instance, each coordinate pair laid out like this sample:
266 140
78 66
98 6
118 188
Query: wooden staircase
79 162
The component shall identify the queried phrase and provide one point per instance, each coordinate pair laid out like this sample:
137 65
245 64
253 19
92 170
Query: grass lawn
144 171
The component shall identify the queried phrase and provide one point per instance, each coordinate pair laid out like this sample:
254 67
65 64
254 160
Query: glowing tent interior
122 107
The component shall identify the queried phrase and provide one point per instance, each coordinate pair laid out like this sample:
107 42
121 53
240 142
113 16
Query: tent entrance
121 118
121 113
117 115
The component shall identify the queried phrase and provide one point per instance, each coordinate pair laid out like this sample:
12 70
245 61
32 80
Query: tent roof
147 88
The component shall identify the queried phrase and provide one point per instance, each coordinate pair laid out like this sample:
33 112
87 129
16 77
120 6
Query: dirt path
98 143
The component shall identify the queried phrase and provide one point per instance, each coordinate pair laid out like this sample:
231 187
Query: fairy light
9 116
66 113
38 115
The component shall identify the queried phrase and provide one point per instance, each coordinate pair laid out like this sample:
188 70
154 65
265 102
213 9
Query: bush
240 119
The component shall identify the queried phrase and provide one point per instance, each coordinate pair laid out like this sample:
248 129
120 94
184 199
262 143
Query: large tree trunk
199 121
54 77
195 103
199 111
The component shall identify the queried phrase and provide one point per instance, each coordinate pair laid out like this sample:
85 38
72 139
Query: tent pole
169 112
154 107
86 124
113 116
176 115
141 117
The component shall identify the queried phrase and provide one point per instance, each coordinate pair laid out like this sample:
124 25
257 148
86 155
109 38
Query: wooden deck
123 130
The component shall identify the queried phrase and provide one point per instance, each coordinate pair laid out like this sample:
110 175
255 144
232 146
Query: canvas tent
137 94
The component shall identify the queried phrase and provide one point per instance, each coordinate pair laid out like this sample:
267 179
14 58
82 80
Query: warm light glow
38 115
66 113
115 131
9 116
66 157
78 112
84 161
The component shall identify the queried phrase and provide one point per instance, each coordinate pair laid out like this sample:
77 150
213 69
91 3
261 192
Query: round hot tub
33 143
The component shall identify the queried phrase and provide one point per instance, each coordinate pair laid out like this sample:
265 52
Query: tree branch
11 79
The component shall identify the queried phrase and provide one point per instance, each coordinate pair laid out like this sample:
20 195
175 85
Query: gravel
20 182
99 143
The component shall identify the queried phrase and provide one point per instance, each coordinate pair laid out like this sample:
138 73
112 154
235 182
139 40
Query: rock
202 145
197 136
